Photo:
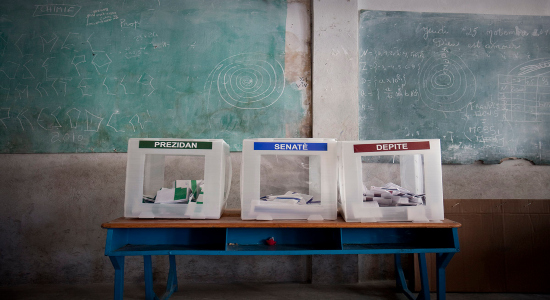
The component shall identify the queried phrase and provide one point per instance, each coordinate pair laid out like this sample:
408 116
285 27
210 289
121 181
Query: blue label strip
290 146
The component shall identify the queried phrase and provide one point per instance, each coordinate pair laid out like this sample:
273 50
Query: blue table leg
118 264
442 260
400 278
172 284
425 291
148 273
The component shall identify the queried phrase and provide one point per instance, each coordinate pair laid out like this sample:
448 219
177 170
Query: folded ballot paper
392 194
184 191
290 198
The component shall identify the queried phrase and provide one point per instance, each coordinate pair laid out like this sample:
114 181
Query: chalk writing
90 76
3 45
73 115
144 36
17 44
67 137
524 98
46 65
107 87
445 43
54 115
124 86
21 118
6 112
480 83
78 60
9 68
469 31
63 10
22 90
100 16
58 118
426 31
101 61
109 122
83 87
126 24
27 74
147 80
39 88
394 52
46 39
136 121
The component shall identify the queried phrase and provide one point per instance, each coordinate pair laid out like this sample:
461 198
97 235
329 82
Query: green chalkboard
480 83
86 75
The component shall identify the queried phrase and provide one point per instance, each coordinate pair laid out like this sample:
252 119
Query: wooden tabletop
232 219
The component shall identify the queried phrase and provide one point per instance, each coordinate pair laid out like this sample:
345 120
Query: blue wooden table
232 236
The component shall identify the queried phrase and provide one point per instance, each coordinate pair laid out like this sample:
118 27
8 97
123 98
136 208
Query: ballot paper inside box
390 180
177 178
289 179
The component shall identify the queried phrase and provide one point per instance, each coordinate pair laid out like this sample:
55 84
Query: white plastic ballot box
289 179
177 178
390 180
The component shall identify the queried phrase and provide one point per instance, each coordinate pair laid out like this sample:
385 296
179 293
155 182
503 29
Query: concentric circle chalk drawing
246 81
445 83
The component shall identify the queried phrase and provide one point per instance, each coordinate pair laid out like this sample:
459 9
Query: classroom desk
232 236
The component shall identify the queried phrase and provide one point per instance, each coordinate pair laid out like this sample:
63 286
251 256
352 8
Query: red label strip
401 146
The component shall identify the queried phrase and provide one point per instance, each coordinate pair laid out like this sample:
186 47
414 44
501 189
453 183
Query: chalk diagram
445 83
525 92
246 81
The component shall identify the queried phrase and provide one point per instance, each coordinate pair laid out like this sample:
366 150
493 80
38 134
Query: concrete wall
53 204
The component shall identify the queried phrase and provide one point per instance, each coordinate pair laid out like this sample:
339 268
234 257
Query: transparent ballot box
177 178
390 180
289 179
